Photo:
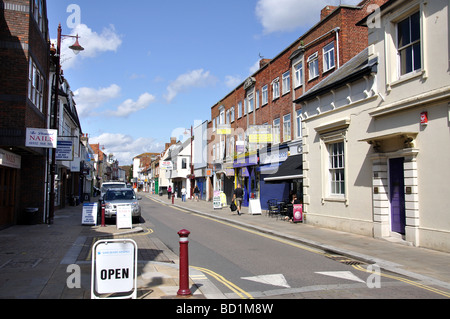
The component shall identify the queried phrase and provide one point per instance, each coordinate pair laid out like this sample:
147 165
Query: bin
31 215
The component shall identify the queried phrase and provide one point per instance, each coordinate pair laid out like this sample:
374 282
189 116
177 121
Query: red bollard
173 199
184 263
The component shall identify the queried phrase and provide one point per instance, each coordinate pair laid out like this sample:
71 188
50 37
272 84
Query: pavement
37 261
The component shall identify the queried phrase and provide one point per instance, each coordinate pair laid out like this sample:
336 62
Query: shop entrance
8 179
397 195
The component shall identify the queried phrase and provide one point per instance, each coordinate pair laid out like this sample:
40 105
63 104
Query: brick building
266 98
24 72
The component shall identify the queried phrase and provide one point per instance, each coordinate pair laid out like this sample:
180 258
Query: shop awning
291 169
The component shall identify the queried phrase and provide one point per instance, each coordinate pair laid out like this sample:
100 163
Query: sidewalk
394 256
34 261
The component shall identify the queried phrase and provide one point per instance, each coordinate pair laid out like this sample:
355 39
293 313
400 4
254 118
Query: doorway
397 195
8 177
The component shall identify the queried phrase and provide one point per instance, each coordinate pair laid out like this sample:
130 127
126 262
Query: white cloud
92 42
287 15
89 99
125 147
194 79
129 106
232 81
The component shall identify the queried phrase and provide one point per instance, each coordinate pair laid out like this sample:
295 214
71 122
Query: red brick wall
352 40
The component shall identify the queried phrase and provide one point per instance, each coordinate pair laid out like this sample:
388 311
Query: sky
152 69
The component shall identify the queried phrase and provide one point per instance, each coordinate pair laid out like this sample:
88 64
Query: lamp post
76 48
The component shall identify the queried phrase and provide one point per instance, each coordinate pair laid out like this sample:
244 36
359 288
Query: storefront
271 160
10 164
284 180
247 174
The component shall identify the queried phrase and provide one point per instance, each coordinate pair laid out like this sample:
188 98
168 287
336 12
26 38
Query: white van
108 185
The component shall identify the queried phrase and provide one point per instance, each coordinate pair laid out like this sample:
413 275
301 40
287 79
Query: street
246 264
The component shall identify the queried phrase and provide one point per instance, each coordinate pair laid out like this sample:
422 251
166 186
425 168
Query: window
265 95
286 82
239 110
38 14
328 57
214 124
251 102
286 127
276 131
221 118
337 168
313 66
299 123
183 163
298 69
408 44
227 118
232 115
257 100
276 88
35 86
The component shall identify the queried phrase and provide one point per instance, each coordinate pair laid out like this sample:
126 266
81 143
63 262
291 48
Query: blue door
397 195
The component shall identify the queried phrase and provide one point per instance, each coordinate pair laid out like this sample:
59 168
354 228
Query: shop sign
41 138
114 268
224 129
217 204
64 151
167 165
10 160
124 217
89 216
297 213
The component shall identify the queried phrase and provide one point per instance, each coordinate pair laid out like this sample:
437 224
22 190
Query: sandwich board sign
114 269
89 216
254 207
124 218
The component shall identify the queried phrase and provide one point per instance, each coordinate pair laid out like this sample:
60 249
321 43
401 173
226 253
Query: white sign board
41 138
10 159
89 214
254 207
124 217
114 268
167 165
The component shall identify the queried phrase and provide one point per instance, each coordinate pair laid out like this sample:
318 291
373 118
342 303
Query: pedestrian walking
196 192
238 195
183 194
169 192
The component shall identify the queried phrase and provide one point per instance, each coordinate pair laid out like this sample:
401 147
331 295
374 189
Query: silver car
121 196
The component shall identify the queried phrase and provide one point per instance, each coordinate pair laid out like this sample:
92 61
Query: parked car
121 196
108 185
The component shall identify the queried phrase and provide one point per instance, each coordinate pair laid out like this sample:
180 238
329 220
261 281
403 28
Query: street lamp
76 48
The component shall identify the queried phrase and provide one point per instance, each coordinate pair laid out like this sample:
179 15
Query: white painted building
376 133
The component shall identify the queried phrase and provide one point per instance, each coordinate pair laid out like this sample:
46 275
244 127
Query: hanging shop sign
64 151
41 138
167 165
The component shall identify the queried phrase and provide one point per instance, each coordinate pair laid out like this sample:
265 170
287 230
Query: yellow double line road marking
239 291
407 281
